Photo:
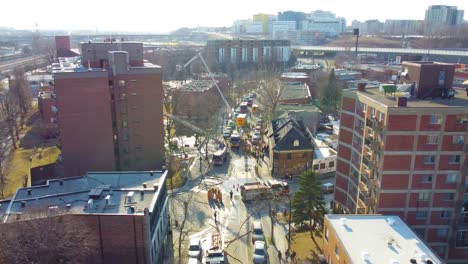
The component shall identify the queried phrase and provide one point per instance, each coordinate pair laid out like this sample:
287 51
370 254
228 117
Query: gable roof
286 131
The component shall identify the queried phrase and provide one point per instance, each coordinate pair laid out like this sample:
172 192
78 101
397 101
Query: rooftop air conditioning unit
130 197
343 221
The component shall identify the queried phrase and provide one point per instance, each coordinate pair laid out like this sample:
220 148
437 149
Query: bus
235 140
244 107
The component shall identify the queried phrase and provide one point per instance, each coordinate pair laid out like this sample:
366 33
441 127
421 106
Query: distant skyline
165 16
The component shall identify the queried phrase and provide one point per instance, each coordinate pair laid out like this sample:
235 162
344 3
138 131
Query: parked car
193 261
260 252
257 231
328 187
195 248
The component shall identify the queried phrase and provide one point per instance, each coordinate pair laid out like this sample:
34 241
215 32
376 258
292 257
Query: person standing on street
215 216
231 193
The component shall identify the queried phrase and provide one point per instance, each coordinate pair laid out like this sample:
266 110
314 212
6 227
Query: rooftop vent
130 197
68 206
422 257
90 203
108 199
145 185
343 221
23 204
365 256
61 182
151 173
391 221
29 191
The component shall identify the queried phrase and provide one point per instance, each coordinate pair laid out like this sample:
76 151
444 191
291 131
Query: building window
435 119
125 137
448 196
364 107
381 116
462 119
125 150
445 214
121 83
423 196
421 232
461 238
304 155
123 96
454 159
296 143
123 109
429 159
431 140
322 165
124 123
337 252
451 178
421 215
134 94
426 179
442 232
458 140
331 164
289 156
316 167
372 112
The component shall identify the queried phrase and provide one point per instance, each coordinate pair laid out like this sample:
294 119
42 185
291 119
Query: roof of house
106 192
286 131
294 90
387 239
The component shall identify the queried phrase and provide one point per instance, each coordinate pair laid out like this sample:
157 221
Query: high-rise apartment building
408 157
240 51
109 109
298 17
439 17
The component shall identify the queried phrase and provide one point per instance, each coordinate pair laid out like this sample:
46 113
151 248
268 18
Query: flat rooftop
460 100
198 86
108 192
322 153
380 239
294 90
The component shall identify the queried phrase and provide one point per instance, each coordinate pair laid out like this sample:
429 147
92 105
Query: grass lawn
306 247
20 165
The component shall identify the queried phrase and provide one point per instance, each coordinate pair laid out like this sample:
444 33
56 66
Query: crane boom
199 55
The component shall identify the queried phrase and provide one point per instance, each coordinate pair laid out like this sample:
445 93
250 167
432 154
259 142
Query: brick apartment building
238 52
291 147
109 109
197 100
127 212
407 157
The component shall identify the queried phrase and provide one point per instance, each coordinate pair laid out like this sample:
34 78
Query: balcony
369 163
363 187
374 124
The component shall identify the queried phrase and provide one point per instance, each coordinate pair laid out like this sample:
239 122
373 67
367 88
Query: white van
195 248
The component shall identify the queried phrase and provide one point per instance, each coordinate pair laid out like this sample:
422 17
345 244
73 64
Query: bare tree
270 90
20 88
9 110
54 239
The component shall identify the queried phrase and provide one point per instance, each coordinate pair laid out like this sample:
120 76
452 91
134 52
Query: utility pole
356 33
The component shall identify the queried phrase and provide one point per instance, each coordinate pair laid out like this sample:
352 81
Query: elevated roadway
36 61
393 51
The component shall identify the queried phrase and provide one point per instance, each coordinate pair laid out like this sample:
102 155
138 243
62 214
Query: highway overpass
28 62
392 51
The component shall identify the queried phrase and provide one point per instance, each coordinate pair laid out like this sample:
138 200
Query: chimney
29 191
23 204
61 182
402 101
361 87
144 185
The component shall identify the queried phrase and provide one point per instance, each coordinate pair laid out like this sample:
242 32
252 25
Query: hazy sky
166 15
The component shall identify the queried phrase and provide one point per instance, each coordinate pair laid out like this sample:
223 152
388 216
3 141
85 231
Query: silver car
259 254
